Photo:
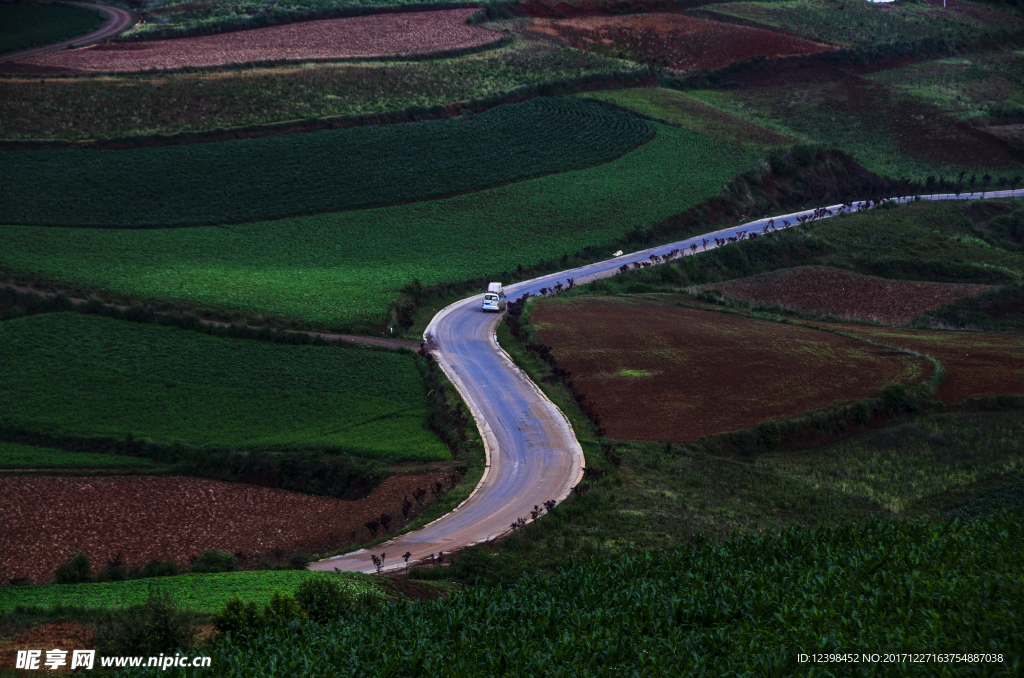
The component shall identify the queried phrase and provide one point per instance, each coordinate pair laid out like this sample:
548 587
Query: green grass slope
346 268
17 456
285 175
24 26
749 606
84 375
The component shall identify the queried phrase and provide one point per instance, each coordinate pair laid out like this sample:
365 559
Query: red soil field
367 36
65 635
676 41
145 517
977 364
697 372
845 294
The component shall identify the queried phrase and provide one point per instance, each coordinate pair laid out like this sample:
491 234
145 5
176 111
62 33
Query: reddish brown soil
976 364
845 294
367 36
174 517
709 372
674 40
64 635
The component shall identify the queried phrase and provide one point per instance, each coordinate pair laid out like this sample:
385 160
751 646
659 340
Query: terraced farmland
674 41
17 456
280 176
654 371
345 269
89 376
329 39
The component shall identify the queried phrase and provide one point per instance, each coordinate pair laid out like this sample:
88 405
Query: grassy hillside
84 375
24 26
345 269
279 176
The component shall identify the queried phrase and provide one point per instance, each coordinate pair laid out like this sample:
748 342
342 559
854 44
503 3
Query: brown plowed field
653 370
976 364
367 36
831 290
145 517
63 635
676 41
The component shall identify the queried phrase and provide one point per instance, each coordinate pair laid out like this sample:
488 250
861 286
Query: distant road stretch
119 20
533 455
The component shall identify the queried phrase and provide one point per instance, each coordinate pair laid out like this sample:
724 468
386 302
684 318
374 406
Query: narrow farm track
532 452
119 20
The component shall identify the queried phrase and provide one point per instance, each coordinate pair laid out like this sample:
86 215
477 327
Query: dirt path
119 20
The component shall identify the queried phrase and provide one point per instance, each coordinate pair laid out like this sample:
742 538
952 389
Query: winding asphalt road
533 455
118 20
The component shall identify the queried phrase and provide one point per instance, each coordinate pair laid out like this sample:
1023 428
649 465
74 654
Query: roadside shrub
321 598
116 570
160 568
282 609
76 570
769 434
211 561
153 627
238 616
299 560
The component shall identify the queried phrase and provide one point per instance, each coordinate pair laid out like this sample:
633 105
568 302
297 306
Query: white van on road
494 298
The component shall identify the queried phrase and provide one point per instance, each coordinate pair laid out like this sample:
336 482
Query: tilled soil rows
367 36
830 290
652 370
977 364
676 41
178 517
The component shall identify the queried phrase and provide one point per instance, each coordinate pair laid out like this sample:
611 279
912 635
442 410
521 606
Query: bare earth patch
652 370
65 635
845 294
977 364
367 36
144 517
674 40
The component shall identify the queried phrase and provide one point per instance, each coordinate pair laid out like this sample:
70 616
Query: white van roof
494 287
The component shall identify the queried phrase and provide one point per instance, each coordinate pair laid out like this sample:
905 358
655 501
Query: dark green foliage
286 175
897 400
769 434
211 561
999 310
151 628
321 598
988 502
76 570
477 566
24 26
298 560
239 617
745 607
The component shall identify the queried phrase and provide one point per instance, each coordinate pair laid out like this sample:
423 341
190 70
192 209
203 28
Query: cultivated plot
357 37
977 364
172 517
693 115
345 269
845 294
652 370
17 456
674 41
79 375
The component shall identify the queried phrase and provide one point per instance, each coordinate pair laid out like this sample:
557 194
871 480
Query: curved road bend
118 20
533 454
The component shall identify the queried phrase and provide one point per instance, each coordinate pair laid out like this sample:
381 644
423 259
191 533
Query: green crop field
138 105
14 455
346 268
285 175
968 85
860 23
24 26
201 592
91 376
682 110
745 607
902 465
